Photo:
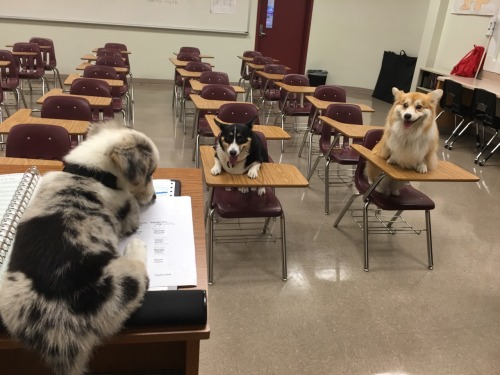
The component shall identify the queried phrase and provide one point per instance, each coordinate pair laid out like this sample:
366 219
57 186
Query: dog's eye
418 106
405 105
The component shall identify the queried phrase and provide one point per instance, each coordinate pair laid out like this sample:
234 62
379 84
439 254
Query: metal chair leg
284 274
211 247
429 238
344 210
365 233
327 186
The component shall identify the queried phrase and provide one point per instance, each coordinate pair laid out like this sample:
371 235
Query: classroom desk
111 82
138 350
185 75
95 101
122 52
197 86
270 132
3 64
201 104
23 116
473 83
292 89
41 47
182 63
201 55
319 106
91 57
119 69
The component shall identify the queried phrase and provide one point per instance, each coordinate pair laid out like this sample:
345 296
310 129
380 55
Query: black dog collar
105 178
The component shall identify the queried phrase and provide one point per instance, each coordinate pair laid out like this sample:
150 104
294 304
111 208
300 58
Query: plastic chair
231 204
37 141
328 93
192 66
118 93
451 102
269 92
31 67
126 58
66 107
94 87
482 109
48 57
410 199
211 92
244 71
178 81
190 50
335 151
212 77
117 62
9 77
254 82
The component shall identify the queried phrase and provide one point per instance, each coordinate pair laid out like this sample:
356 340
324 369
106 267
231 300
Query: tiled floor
331 317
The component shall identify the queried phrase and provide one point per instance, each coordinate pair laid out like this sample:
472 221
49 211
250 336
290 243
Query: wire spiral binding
15 210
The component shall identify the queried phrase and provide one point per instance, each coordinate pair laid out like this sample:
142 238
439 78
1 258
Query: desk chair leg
211 247
284 271
327 186
429 238
482 162
365 233
457 132
344 210
311 171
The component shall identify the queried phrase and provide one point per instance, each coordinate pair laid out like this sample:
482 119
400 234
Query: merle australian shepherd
239 150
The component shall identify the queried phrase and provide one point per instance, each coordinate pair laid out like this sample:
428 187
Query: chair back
271 91
217 92
101 72
120 47
105 51
214 77
94 87
238 113
198 66
292 100
186 56
38 141
484 106
9 75
190 50
30 66
48 54
372 137
244 72
346 113
66 107
330 93
115 62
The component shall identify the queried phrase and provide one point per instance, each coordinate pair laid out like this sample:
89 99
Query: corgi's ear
249 124
436 95
396 92
219 124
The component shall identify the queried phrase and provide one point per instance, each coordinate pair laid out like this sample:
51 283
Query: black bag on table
396 71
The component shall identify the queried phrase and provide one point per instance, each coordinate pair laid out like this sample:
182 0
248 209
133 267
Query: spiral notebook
16 190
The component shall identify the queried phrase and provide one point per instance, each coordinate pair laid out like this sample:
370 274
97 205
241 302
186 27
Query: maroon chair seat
211 77
94 87
9 77
66 107
48 57
188 49
31 67
37 141
409 199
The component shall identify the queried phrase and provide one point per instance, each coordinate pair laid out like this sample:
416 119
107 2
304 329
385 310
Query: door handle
261 30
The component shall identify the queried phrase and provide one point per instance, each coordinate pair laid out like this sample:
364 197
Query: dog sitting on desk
410 138
239 150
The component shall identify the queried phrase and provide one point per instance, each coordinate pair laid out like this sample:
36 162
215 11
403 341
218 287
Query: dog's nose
232 153
153 198
407 116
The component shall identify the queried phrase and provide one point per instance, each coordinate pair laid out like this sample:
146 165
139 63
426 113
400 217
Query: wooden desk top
21 164
111 82
207 104
188 74
270 174
4 63
323 104
181 63
197 86
118 69
273 77
202 55
191 185
250 59
19 53
445 170
91 57
349 130
296 89
474 83
95 101
270 132
127 52
12 45
23 116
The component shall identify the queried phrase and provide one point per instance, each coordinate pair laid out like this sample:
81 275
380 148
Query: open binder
159 308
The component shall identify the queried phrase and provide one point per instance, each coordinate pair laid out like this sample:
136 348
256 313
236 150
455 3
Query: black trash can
317 77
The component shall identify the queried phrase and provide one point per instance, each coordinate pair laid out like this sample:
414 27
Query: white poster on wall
476 7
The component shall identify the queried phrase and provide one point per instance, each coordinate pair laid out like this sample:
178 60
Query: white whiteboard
198 15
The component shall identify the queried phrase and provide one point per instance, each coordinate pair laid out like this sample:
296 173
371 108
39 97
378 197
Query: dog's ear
134 158
249 123
435 96
396 92
218 123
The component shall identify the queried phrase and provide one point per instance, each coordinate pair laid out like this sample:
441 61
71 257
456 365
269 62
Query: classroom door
283 31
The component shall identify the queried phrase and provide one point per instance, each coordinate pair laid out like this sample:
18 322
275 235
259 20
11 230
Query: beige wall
347 38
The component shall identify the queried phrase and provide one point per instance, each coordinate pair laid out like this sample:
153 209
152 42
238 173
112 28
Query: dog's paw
261 191
136 249
391 161
216 169
422 168
243 190
253 172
